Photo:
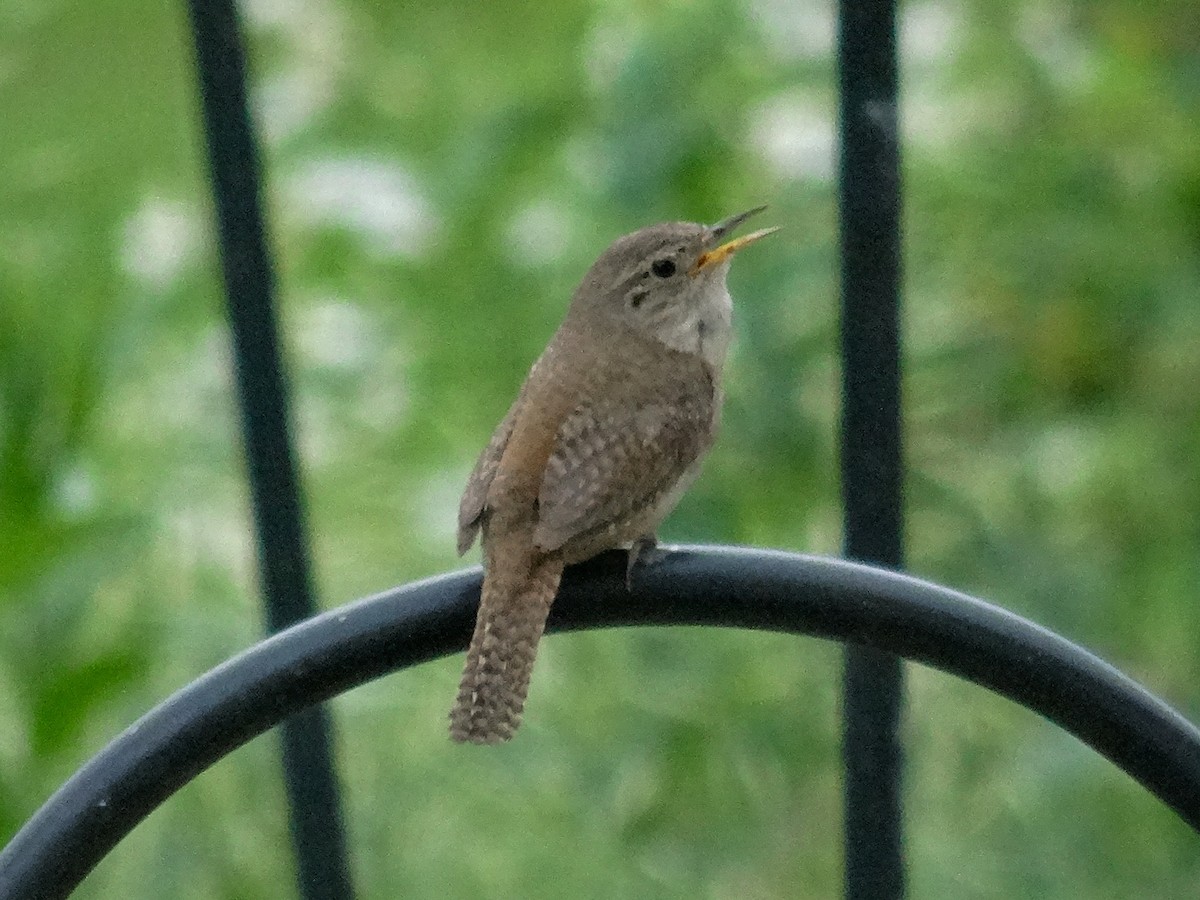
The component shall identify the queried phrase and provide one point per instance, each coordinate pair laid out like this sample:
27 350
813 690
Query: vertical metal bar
869 200
318 834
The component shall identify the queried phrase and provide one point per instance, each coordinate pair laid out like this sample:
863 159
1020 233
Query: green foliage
438 177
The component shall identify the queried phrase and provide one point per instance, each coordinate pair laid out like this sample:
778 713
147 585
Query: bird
606 433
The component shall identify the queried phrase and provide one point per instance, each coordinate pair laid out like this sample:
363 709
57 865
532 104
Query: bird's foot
642 552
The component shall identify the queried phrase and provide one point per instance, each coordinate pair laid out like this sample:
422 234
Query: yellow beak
726 250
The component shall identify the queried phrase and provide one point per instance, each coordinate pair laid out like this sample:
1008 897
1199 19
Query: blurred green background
438 177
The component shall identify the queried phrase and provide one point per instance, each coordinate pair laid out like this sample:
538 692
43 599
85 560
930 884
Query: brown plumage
606 432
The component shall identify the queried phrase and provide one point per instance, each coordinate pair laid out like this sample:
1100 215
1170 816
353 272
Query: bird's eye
663 268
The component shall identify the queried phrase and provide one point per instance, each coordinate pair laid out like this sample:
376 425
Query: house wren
607 432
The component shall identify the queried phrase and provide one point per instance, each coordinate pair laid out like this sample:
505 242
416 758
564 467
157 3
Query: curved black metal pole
762 589
314 803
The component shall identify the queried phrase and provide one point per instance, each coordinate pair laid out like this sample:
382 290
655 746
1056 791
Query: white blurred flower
159 241
1063 458
795 137
604 52
538 234
375 199
335 334
796 29
928 32
75 492
316 42
285 102
1045 31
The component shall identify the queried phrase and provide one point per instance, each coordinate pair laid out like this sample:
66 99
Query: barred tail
512 616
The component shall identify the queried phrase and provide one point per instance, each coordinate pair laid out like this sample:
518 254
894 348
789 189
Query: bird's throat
702 327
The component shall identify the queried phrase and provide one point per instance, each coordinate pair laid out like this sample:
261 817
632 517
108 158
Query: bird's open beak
724 251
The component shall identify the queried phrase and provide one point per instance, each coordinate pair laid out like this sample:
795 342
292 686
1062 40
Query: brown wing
620 451
470 508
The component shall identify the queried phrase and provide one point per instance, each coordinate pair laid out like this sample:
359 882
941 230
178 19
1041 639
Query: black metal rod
318 833
761 589
872 468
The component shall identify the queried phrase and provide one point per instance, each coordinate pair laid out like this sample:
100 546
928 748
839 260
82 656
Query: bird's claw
643 551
